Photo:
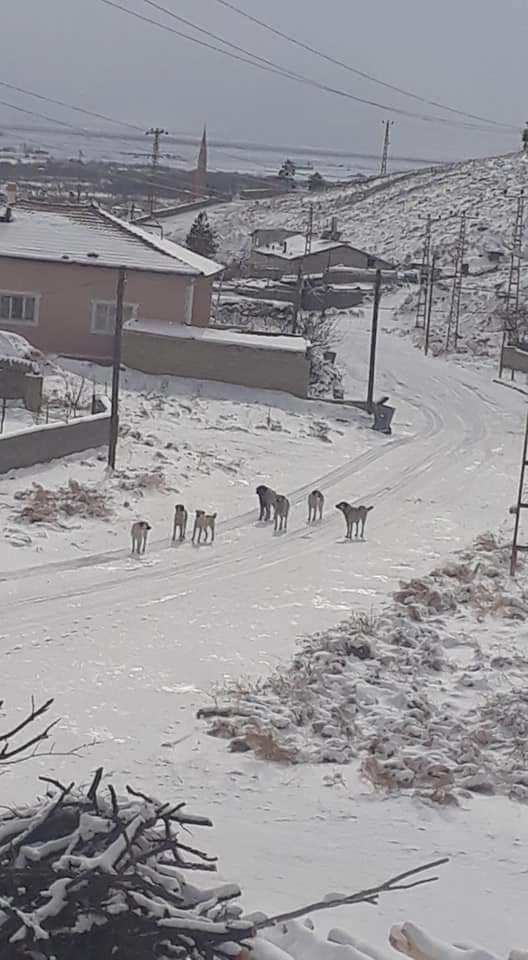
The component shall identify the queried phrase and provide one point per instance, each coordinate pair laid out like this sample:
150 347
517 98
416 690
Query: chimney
11 192
285 246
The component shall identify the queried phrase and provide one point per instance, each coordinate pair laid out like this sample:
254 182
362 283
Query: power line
359 73
43 116
270 67
69 106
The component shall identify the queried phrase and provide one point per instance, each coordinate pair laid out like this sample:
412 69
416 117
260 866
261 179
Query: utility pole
373 340
155 133
514 279
454 306
429 297
425 267
309 231
79 174
116 367
298 298
520 505
385 155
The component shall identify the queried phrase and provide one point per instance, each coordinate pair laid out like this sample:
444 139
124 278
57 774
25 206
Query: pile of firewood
85 874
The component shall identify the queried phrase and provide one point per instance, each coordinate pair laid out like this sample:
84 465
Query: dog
281 507
315 506
140 530
180 522
203 523
354 517
266 500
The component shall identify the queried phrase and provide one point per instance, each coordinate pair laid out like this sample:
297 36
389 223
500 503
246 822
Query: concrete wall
268 369
40 444
66 292
514 359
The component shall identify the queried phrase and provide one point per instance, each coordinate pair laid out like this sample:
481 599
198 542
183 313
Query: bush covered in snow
412 695
42 505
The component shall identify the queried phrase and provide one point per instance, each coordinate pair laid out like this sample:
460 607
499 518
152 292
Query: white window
19 307
104 313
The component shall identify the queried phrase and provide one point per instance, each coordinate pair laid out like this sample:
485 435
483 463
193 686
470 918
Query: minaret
200 174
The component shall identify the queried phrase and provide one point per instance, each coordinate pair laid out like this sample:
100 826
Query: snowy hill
388 217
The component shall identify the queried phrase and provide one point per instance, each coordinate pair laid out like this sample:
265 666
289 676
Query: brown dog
354 517
139 532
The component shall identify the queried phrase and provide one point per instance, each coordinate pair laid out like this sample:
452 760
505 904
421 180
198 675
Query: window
103 315
19 308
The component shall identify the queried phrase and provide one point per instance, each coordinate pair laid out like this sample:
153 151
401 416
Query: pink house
58 276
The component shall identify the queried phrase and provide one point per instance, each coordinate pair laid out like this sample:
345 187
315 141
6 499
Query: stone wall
40 444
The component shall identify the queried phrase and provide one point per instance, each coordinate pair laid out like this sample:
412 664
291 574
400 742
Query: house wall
66 292
268 369
53 440
314 262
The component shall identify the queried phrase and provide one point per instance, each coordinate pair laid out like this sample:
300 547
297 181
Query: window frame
134 308
25 295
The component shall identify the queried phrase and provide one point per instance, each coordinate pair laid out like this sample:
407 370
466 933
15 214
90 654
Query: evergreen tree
201 237
316 182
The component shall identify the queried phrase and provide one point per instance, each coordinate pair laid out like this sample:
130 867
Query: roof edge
155 244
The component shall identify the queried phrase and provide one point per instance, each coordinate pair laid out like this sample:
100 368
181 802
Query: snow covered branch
99 874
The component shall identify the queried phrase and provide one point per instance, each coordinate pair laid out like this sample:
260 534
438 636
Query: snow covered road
448 473
131 648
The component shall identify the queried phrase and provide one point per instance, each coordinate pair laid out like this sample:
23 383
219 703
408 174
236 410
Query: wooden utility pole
373 340
309 231
298 299
429 298
116 367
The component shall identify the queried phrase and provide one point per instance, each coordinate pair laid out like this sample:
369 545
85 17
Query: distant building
199 182
289 253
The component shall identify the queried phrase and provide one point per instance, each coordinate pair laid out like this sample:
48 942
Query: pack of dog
204 526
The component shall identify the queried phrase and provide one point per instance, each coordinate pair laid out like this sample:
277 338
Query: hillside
388 217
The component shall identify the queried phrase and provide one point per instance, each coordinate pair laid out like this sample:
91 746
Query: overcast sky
470 54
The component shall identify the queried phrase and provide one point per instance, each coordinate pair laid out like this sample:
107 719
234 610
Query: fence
50 441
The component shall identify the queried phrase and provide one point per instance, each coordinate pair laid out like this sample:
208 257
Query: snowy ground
205 445
132 650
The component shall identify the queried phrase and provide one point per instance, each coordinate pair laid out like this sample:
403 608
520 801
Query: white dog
203 523
140 530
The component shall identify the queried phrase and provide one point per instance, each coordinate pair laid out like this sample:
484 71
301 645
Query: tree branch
369 895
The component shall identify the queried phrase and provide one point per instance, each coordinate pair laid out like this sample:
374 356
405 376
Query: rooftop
92 236
237 338
293 247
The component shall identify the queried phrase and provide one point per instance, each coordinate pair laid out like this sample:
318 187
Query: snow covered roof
163 328
294 246
91 236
